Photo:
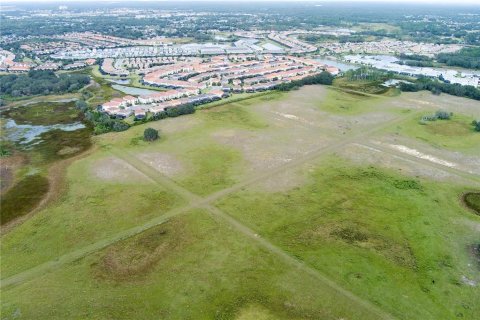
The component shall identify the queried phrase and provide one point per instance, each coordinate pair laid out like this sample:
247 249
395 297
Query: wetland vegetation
40 134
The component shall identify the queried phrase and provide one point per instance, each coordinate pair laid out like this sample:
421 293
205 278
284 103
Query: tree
150 134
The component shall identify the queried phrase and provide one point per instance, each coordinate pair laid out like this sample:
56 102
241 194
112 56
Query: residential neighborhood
201 80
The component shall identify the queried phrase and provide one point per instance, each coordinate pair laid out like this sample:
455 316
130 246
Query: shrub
81 105
443 115
476 125
150 134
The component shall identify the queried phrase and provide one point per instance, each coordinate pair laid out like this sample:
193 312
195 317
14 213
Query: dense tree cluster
465 58
41 82
437 87
174 112
321 78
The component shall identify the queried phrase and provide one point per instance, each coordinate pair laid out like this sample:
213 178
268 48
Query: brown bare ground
116 170
165 163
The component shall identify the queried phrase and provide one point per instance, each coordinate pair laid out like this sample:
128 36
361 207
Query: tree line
41 82
322 78
437 87
465 58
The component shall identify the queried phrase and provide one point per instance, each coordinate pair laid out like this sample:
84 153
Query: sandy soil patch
421 150
114 169
166 164
362 154
421 155
286 180
273 147
301 109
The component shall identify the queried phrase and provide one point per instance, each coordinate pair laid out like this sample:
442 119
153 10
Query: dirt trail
467 176
195 201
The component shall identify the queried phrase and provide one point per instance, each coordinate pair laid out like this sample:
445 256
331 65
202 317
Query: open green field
292 205
379 233
454 134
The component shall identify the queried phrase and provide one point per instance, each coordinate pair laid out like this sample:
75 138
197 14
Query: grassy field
96 205
192 267
454 134
378 233
137 232
347 103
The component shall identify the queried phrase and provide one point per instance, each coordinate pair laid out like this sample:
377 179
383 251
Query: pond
132 90
338 64
27 133
46 132
119 81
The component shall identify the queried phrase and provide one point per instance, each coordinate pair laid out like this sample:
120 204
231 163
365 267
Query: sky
436 2
319 1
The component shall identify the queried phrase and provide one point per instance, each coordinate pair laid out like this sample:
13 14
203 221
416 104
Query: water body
390 63
119 81
27 133
132 90
340 65
393 82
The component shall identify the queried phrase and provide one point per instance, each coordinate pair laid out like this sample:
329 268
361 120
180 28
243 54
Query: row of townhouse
109 66
167 95
127 106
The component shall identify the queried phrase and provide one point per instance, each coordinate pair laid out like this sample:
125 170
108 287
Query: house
332 70
218 93
139 113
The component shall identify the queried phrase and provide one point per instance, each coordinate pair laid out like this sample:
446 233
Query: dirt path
467 176
195 201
